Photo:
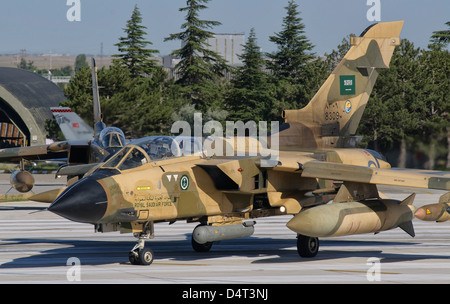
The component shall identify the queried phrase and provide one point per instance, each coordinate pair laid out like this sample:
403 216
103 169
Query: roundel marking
184 182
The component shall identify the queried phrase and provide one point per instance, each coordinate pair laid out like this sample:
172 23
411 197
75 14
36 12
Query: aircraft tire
307 247
133 257
201 247
145 256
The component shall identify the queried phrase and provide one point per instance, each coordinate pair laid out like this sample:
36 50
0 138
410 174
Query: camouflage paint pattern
229 189
334 113
350 218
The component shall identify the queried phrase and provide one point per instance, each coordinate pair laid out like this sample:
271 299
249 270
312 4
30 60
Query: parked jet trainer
149 181
82 148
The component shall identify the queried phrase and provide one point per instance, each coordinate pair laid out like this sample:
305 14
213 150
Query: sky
42 27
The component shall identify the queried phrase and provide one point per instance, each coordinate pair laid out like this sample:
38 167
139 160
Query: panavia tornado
329 190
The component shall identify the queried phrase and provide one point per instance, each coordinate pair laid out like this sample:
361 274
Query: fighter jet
83 148
153 180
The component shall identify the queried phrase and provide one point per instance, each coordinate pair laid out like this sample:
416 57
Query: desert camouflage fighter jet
83 147
152 180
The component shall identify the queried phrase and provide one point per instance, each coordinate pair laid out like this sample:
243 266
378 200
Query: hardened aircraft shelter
25 101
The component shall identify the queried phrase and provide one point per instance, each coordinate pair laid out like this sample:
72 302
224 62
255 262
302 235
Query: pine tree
441 37
149 112
294 49
130 100
199 68
251 96
391 117
433 102
139 106
79 94
135 55
297 73
80 62
336 56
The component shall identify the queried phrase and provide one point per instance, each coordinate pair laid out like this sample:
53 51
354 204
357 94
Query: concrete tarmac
37 246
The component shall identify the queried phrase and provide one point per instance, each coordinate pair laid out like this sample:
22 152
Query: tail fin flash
333 114
71 125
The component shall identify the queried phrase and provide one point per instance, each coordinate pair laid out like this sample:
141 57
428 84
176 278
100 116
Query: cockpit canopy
112 137
152 148
127 158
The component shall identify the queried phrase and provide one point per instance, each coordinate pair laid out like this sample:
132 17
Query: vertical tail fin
98 118
333 114
71 125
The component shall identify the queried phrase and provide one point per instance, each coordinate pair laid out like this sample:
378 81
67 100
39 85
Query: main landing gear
307 246
141 255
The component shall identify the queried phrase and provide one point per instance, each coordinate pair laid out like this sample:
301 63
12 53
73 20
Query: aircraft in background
83 148
71 125
151 180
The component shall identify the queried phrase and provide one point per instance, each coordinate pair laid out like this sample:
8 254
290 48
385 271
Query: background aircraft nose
85 201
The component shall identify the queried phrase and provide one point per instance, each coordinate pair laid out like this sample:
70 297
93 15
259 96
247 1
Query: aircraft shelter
25 101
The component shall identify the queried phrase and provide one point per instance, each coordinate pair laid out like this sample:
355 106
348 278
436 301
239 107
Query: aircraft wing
30 153
52 151
428 179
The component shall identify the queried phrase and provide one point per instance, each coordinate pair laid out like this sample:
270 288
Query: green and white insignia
184 182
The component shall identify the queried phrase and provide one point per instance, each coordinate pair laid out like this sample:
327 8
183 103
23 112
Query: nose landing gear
141 255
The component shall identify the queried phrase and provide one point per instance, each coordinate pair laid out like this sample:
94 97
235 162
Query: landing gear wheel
142 256
201 247
133 256
307 246
145 256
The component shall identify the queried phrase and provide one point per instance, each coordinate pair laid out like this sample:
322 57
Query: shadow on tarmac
264 250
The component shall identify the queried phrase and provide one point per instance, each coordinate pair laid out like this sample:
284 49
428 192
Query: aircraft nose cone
85 202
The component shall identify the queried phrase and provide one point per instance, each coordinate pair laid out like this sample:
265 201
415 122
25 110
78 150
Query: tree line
407 111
